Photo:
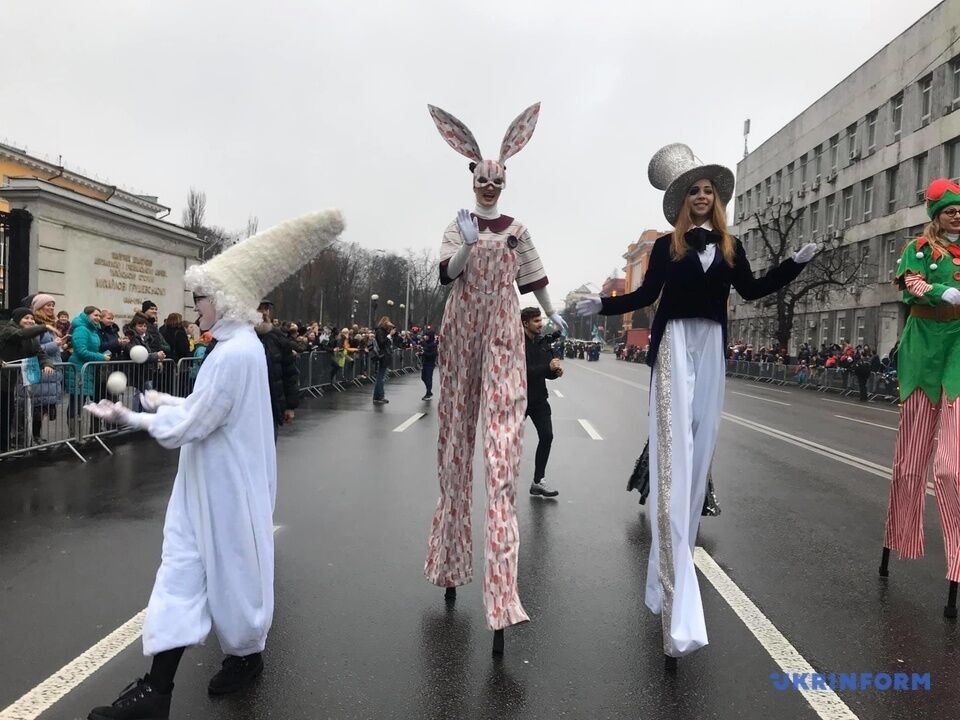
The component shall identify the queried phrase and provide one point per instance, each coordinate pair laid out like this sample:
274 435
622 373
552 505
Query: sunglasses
198 298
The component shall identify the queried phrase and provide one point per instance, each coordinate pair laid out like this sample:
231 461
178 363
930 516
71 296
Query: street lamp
373 309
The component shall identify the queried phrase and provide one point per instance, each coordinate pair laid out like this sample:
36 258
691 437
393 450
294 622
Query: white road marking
867 406
826 703
757 397
645 388
591 431
558 393
408 422
865 422
761 386
57 686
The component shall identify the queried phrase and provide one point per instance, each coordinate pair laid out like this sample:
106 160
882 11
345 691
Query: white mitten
560 323
117 413
469 228
952 296
805 254
152 400
589 306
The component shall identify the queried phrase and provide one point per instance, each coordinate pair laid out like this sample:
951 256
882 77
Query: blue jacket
86 348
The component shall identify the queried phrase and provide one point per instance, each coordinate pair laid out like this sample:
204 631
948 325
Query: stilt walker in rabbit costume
928 367
691 270
483 373
217 562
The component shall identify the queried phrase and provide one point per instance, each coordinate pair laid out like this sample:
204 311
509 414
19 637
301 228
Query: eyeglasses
951 212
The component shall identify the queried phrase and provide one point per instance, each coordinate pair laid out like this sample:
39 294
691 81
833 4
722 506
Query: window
830 213
847 206
892 178
818 164
746 203
803 169
867 199
953 159
779 185
861 328
926 99
872 131
955 81
896 115
834 153
768 189
891 256
801 221
824 329
841 335
919 177
852 140
790 179
814 221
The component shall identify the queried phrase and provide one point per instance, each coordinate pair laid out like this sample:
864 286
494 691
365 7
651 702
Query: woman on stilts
928 367
483 373
691 271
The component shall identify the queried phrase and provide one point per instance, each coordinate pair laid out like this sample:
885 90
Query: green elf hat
941 193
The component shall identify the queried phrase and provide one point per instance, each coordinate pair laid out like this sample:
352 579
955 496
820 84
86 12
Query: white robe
217 564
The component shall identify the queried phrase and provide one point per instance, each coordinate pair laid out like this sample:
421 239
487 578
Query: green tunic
928 357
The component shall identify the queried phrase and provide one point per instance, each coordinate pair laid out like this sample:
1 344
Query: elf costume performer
691 271
216 568
928 367
483 373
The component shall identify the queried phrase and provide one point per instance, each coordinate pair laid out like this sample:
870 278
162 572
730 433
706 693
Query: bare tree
253 224
835 268
194 215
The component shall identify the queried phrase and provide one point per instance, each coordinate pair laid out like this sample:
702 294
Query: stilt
884 562
450 595
498 642
670 663
950 609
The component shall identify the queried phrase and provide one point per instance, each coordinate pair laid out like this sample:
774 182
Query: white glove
152 400
805 254
469 229
952 296
117 413
560 323
589 306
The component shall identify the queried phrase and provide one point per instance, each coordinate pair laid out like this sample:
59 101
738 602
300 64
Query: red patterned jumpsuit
483 373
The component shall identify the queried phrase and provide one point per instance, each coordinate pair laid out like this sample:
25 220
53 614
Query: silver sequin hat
675 168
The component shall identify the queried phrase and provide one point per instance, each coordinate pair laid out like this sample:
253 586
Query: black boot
138 701
236 674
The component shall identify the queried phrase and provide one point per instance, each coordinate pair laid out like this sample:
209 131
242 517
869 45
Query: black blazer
686 291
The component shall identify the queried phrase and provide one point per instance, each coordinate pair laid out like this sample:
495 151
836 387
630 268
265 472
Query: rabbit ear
519 132
457 135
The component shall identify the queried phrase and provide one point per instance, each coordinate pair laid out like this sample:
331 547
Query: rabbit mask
459 137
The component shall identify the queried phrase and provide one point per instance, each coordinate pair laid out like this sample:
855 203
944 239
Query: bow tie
699 238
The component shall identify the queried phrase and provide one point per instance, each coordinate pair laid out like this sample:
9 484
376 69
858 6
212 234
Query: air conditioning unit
838 234
801 192
832 177
769 199
812 324
920 195
816 184
855 155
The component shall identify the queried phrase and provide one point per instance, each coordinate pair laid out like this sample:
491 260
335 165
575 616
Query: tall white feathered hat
238 278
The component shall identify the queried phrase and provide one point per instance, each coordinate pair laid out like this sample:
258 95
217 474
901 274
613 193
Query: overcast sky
275 109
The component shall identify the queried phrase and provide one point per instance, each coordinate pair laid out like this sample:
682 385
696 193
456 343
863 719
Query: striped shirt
530 272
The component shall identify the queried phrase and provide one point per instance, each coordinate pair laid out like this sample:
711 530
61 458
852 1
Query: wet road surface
358 632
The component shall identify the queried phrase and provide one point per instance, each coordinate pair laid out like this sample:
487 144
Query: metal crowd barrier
821 379
39 411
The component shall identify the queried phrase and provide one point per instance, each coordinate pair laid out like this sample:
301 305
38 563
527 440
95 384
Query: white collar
952 238
707 226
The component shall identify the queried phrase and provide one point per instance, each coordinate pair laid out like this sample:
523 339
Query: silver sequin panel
664 440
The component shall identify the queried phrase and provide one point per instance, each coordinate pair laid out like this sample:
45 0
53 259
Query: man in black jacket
541 366
282 370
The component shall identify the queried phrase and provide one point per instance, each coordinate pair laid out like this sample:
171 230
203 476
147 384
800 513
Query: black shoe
236 674
378 401
542 489
138 701
384 400
427 396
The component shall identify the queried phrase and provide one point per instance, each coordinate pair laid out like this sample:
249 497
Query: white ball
116 383
138 353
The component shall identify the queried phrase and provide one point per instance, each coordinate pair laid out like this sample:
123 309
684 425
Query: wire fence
42 408
878 386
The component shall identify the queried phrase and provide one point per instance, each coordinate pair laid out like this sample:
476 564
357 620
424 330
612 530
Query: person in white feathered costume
217 563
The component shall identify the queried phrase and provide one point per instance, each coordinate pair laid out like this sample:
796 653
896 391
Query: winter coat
178 341
86 348
282 372
110 340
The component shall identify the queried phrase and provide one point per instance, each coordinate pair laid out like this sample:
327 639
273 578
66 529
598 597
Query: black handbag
640 480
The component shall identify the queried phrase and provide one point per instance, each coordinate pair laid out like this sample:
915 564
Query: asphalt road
358 632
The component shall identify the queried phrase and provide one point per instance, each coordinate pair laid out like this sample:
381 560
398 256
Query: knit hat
241 276
147 304
18 314
40 300
941 193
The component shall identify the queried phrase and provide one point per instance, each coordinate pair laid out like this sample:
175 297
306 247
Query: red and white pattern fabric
917 441
916 285
482 376
530 272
